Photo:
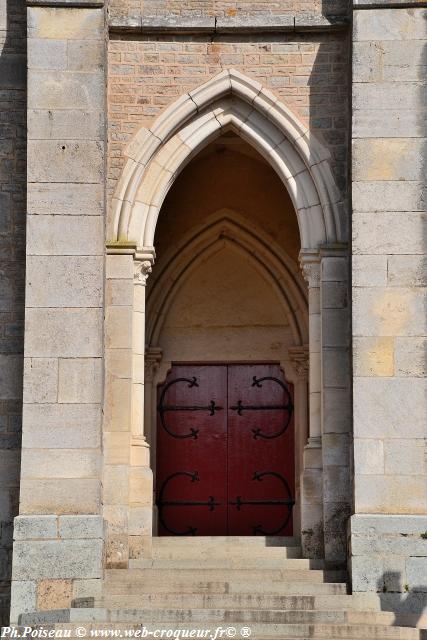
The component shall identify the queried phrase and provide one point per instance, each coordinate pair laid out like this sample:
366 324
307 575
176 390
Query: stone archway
155 157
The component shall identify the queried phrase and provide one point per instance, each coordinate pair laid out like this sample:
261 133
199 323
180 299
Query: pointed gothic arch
230 100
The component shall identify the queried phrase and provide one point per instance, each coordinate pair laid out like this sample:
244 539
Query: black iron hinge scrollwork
288 502
162 503
287 406
164 408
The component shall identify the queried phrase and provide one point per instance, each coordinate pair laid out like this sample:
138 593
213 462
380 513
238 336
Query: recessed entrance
225 451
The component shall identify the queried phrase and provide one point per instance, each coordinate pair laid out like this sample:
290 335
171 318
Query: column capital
299 356
153 357
143 265
310 266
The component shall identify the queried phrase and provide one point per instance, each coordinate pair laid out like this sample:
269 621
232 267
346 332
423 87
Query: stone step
201 574
152 585
228 562
206 553
170 600
220 541
248 617
259 630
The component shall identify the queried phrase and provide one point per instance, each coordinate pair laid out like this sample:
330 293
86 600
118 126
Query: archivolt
275 266
230 100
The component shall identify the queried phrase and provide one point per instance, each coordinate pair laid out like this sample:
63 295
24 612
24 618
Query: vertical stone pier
388 552
59 533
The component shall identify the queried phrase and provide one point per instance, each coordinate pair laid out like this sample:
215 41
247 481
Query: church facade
215 210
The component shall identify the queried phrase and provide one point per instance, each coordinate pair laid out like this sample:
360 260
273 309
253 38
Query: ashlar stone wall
389 279
12 272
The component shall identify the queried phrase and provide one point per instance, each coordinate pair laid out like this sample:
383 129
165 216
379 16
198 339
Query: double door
225 451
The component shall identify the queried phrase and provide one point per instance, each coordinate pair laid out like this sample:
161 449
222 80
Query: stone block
11 369
369 270
35 527
336 411
334 295
67 161
65 199
64 281
81 527
61 23
388 24
116 447
87 589
388 232
40 380
54 594
370 123
336 327
366 573
335 449
416 573
119 267
375 414
118 328
60 463
377 525
80 380
23 598
388 95
388 61
334 269
64 235
389 196
140 521
116 517
410 270
54 426
390 494
119 293
61 496
141 486
368 456
118 405
47 54
410 357
388 159
66 333
118 363
373 356
336 368
389 311
405 457
62 125
116 484
336 484
71 90
58 559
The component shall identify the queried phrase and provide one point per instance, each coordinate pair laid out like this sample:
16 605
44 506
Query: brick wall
309 74
12 270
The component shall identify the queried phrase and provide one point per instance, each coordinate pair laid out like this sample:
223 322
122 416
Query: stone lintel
388 4
213 26
71 4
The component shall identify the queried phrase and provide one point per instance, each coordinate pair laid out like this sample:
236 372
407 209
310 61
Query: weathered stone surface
373 356
416 571
68 161
23 598
65 199
35 527
65 125
56 426
388 196
388 61
81 527
41 380
388 24
80 380
390 494
389 232
369 456
60 463
413 461
62 24
370 123
61 496
388 311
119 292
388 159
407 270
10 376
64 235
118 331
116 485
411 357
71 90
54 594
65 333
375 414
64 281
58 559
47 54
369 271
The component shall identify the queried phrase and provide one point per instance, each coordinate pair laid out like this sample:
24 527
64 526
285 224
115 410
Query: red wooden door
225 451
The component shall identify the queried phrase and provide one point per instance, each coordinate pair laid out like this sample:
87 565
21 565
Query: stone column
312 485
336 400
388 553
59 534
140 472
